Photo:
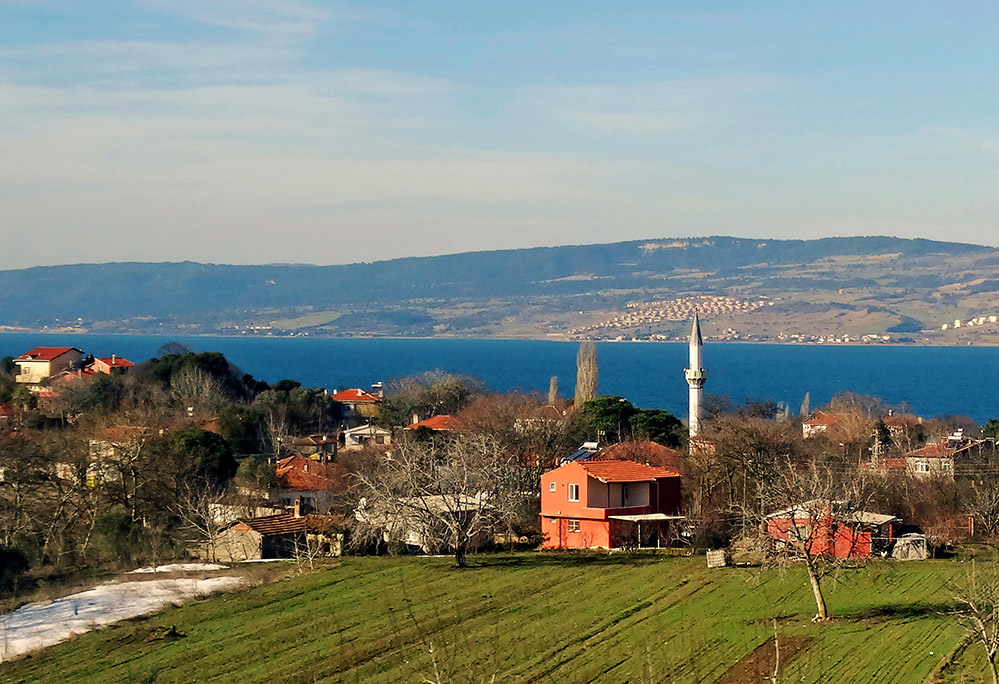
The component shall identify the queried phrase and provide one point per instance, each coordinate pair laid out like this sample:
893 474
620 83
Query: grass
529 618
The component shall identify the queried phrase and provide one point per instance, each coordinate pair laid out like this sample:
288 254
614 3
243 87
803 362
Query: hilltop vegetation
860 284
535 618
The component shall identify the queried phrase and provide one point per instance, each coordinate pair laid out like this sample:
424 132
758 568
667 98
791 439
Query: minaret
696 376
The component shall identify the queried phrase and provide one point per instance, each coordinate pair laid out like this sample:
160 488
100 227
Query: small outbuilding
832 528
278 536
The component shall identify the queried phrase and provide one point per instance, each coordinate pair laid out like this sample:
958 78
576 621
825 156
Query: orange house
607 504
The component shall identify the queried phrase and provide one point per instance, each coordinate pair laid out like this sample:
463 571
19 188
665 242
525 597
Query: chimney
416 418
298 508
113 357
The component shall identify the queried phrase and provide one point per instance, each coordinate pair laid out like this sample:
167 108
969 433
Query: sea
932 381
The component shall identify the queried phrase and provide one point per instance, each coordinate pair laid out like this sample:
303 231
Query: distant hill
517 292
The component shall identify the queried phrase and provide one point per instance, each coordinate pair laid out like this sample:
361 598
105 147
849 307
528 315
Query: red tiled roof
298 473
826 419
8 410
892 463
45 353
286 523
624 471
355 396
115 361
436 423
940 450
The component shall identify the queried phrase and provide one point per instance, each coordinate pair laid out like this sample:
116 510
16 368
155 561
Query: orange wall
592 534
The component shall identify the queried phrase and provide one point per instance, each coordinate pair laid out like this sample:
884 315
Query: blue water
932 380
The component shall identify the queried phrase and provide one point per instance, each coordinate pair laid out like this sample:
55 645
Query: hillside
824 287
534 618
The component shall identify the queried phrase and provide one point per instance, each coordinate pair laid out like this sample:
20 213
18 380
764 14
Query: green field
531 618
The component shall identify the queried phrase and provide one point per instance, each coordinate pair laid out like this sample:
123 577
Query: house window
574 526
552 486
574 492
922 467
379 439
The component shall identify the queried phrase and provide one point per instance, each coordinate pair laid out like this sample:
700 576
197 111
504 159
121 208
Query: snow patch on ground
181 567
38 625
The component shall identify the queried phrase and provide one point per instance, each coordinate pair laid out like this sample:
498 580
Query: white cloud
651 107
275 19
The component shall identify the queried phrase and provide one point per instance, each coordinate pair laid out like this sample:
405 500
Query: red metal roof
624 471
286 523
45 353
355 396
436 423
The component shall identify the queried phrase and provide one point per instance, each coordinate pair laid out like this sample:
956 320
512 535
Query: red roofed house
820 422
940 458
357 405
41 363
437 423
605 504
307 482
110 365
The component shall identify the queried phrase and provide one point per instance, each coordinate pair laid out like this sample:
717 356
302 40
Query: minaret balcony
695 374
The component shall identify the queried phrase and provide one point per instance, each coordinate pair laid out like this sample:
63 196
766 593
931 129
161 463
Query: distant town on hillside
873 290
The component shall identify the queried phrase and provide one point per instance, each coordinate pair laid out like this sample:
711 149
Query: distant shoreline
526 338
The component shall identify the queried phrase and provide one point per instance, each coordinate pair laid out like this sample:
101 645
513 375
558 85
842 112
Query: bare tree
982 501
587 372
976 599
197 389
806 515
441 494
198 509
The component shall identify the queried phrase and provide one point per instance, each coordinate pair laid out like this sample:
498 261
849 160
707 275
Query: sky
264 131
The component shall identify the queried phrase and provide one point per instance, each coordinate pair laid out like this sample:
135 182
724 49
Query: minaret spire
695 375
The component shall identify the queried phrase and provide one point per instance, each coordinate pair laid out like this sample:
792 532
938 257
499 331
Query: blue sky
249 131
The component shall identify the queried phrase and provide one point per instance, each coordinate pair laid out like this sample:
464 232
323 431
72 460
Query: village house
819 423
303 482
830 528
91 366
110 365
364 435
277 536
357 405
940 459
608 504
41 363
320 447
